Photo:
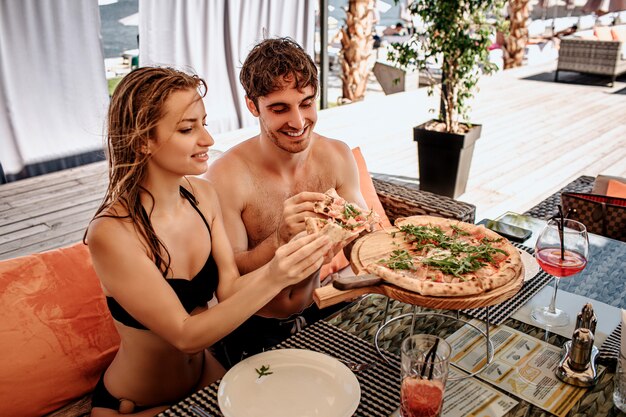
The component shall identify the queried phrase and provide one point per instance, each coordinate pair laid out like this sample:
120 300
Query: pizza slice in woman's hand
334 231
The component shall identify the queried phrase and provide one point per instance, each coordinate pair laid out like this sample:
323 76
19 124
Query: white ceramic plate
303 383
531 267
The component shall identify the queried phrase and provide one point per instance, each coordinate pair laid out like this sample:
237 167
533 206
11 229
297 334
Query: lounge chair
592 56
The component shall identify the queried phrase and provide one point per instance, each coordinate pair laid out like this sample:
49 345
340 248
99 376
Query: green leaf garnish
263 371
350 211
453 266
399 259
463 257
457 230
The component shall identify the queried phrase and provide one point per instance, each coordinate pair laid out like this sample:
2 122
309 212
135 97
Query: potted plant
455 36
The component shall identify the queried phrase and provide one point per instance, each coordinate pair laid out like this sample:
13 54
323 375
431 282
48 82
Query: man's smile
295 134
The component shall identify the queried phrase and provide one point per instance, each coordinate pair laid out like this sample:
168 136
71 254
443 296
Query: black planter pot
444 159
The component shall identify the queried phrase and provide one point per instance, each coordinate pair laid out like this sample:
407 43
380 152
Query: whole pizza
440 257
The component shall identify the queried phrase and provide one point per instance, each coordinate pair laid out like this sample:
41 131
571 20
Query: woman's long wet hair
136 107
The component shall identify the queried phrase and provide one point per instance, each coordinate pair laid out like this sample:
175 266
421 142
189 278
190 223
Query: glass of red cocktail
561 251
425 362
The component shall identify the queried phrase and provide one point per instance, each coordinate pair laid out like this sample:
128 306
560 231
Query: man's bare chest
264 209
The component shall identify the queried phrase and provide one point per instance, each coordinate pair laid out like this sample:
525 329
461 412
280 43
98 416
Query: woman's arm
131 277
290 264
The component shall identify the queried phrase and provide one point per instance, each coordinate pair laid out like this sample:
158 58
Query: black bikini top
192 293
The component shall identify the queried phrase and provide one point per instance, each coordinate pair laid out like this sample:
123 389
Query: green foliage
112 83
456 36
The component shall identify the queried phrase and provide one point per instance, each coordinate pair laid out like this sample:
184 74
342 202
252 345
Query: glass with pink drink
425 365
561 250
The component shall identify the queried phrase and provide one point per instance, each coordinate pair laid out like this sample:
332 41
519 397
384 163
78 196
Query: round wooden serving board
379 245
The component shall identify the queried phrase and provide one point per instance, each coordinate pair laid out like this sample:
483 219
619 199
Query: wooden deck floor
537 136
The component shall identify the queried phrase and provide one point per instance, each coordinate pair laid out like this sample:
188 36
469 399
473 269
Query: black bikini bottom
103 398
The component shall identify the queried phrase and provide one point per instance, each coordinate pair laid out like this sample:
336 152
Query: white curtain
53 91
213 38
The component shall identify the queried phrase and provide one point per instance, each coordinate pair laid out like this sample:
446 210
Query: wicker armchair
402 200
591 57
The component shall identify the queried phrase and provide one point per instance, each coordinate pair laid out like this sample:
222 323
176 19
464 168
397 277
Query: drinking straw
560 222
430 356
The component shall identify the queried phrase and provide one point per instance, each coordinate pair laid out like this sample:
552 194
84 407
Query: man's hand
295 210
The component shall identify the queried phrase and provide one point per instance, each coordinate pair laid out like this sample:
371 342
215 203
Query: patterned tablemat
380 394
609 351
499 313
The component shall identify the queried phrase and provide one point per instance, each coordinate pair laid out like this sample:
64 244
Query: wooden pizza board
379 245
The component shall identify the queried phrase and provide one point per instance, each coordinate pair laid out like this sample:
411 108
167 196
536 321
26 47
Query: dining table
352 334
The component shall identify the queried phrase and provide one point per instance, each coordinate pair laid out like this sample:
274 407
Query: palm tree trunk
515 42
356 48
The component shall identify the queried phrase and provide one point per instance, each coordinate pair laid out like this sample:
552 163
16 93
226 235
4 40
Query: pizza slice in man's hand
348 216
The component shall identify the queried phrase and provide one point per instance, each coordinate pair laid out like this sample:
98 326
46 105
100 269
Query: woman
160 250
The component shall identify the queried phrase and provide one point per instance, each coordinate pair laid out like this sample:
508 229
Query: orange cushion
56 333
603 33
616 189
619 33
371 198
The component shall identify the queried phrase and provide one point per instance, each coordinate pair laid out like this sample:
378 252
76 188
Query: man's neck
281 161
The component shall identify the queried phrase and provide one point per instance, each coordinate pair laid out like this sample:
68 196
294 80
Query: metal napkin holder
578 361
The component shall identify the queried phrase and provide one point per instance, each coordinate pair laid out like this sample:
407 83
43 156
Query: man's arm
348 184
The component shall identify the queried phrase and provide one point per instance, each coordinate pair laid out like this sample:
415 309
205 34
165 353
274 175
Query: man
279 175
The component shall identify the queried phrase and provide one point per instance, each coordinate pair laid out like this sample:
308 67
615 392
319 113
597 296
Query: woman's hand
298 259
345 245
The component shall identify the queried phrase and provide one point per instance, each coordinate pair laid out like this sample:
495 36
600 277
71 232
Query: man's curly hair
271 62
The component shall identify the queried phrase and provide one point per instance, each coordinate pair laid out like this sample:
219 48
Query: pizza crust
430 220
509 270
399 278
405 280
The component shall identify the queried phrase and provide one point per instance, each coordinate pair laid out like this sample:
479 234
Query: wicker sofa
58 335
592 56
401 200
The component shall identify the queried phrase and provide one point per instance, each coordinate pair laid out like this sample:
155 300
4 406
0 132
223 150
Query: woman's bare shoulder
112 224
206 196
201 188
